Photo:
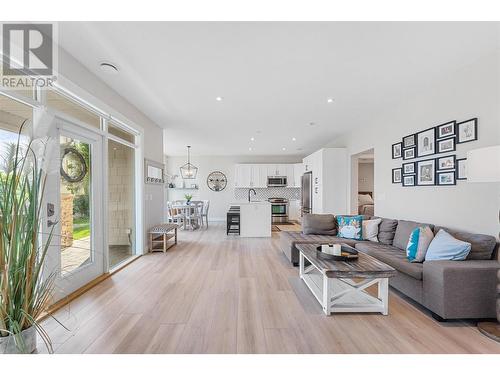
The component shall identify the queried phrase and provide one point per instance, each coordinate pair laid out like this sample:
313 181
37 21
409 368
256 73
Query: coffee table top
365 267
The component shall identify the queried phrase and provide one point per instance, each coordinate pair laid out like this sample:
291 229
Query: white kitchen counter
255 218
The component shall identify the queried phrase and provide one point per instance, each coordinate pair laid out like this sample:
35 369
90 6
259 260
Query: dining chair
204 212
193 215
174 215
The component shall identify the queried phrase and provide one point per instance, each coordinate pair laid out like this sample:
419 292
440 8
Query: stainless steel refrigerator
306 200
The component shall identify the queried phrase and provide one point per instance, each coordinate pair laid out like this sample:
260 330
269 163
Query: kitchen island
255 218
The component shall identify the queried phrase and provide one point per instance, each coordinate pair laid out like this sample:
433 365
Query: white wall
471 92
83 79
219 201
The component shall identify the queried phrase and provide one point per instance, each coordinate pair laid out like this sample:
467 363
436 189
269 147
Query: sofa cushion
299 237
482 245
392 256
386 230
403 232
319 224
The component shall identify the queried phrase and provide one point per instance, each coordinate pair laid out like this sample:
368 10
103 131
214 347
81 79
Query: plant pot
8 343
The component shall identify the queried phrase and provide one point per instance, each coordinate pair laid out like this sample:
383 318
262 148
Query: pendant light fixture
188 170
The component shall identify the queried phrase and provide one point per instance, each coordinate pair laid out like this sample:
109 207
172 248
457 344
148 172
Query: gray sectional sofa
449 289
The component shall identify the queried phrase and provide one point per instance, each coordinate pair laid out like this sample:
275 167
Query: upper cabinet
255 175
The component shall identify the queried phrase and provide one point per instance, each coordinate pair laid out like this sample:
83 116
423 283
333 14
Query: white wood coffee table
341 286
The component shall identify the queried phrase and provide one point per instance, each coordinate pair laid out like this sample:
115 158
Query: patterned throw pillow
350 227
420 239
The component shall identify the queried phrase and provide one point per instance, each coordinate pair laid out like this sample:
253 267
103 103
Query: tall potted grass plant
25 286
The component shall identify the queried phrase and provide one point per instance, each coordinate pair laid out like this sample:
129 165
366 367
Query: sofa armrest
461 289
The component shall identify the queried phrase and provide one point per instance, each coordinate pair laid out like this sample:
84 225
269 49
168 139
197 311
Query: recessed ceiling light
252 139
294 139
329 100
283 148
219 98
249 149
109 68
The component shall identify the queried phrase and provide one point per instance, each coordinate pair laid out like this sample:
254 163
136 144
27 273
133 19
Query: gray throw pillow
386 230
403 232
319 224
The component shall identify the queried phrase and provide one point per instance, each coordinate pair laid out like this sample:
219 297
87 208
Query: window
120 133
73 109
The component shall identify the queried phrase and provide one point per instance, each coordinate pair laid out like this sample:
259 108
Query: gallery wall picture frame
426 172
409 153
426 142
396 176
408 168
446 178
446 145
397 150
448 129
461 169
467 131
409 180
409 141
446 163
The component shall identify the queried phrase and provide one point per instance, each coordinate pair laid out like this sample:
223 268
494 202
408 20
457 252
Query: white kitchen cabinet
243 176
298 171
255 175
294 210
257 179
329 180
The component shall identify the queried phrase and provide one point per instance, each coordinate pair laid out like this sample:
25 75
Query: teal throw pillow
350 227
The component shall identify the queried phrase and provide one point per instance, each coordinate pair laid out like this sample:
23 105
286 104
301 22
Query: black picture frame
461 124
405 150
411 138
440 141
439 128
450 173
420 149
400 175
417 165
452 168
408 164
458 168
400 150
408 178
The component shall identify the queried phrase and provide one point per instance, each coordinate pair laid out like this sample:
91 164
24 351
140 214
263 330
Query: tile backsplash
265 193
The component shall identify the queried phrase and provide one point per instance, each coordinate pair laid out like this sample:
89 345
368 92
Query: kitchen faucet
254 193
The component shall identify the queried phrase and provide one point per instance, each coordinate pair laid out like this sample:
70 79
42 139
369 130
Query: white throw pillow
370 229
364 199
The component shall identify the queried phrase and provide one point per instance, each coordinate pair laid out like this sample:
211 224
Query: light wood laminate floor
217 294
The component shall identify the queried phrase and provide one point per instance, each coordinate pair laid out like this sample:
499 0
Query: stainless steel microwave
276 181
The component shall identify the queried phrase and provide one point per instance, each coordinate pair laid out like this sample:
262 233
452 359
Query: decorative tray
348 254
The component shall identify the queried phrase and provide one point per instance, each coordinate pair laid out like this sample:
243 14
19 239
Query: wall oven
276 181
279 210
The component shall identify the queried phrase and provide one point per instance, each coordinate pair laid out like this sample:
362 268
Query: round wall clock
217 181
73 166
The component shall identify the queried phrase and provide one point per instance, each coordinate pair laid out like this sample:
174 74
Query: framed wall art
396 150
426 172
396 175
409 180
446 163
446 145
446 130
408 168
462 169
409 153
467 131
426 142
409 141
446 178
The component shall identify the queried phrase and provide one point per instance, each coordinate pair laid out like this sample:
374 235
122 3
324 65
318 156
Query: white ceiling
274 77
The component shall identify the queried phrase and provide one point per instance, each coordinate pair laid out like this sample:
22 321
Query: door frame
80 276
